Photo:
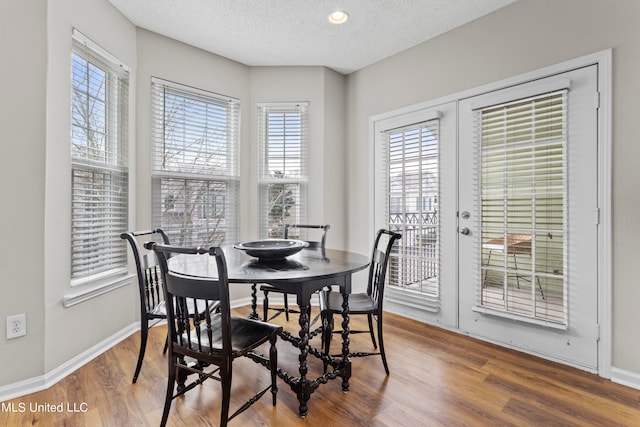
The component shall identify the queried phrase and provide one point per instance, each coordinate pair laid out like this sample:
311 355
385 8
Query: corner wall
324 90
524 36
69 332
23 41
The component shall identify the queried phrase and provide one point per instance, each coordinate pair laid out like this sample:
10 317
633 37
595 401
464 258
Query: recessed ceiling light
338 17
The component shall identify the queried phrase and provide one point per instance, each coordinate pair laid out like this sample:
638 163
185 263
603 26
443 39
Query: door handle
465 231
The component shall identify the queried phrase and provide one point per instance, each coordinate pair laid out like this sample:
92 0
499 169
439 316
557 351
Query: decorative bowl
271 249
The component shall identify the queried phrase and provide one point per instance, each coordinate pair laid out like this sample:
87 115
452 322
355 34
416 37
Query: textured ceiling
297 32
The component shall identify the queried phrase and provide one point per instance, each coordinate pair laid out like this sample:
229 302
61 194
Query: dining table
302 274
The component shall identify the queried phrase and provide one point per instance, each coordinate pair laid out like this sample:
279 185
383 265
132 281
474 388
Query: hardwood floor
438 378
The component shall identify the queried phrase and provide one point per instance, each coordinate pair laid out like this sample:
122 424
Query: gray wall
36 153
70 331
324 90
22 120
527 35
522 37
168 59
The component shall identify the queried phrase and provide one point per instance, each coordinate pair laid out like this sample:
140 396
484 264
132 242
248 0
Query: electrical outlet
16 326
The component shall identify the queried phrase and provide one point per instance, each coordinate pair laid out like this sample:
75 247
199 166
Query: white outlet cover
16 326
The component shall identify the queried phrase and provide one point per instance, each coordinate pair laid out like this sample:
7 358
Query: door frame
603 60
441 310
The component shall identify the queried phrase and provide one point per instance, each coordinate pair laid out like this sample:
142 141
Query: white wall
334 168
522 37
324 90
70 331
171 60
36 52
35 152
58 334
22 157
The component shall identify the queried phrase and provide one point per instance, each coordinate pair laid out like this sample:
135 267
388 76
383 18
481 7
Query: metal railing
414 262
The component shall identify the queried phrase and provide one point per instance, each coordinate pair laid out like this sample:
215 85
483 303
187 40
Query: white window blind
99 177
523 177
412 170
283 171
195 138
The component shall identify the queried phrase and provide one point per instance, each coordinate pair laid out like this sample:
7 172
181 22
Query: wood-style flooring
438 378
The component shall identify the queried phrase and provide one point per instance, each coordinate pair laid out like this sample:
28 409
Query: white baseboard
45 381
42 382
32 385
627 378
241 302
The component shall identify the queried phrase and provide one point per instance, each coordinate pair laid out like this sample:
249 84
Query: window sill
413 299
519 318
88 290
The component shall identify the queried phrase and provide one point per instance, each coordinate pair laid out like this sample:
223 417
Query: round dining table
301 274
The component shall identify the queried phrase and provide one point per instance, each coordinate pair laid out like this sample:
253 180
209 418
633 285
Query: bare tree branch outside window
99 184
193 166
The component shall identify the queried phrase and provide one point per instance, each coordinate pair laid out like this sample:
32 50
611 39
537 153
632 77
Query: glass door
528 226
415 196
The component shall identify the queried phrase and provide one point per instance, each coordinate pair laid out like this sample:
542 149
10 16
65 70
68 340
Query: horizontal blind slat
195 142
99 151
522 170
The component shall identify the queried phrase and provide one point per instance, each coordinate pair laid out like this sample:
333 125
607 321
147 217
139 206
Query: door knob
465 231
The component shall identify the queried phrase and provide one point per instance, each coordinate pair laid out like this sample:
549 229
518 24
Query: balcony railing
414 262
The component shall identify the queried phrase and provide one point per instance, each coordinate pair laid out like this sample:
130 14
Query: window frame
523 176
295 182
222 145
106 256
410 166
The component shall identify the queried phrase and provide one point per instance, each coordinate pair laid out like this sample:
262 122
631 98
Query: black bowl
271 249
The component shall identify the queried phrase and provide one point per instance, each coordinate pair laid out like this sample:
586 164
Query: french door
528 217
415 195
496 198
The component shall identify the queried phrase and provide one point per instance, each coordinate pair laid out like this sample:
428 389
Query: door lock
465 231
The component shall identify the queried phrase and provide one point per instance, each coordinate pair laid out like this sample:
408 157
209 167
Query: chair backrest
320 243
378 267
147 268
181 290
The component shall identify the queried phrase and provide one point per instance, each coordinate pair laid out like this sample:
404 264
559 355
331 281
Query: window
283 139
523 174
195 138
412 189
99 176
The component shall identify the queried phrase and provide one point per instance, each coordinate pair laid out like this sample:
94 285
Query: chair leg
144 333
484 279
273 364
540 287
327 332
373 338
254 302
265 307
515 265
225 376
167 400
181 376
384 357
286 306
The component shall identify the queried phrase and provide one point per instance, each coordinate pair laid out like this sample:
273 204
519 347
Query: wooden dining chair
368 303
152 302
313 244
207 345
